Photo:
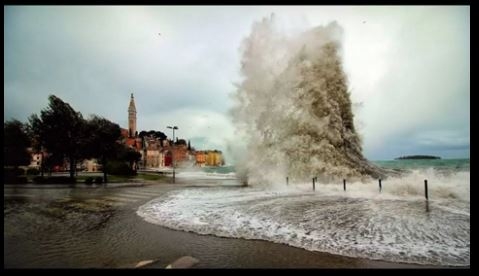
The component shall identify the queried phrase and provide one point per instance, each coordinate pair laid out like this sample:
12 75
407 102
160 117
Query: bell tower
132 117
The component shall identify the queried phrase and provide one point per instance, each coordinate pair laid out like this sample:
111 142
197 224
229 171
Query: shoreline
310 259
316 259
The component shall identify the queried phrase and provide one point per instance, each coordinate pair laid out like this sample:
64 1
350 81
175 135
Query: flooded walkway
97 227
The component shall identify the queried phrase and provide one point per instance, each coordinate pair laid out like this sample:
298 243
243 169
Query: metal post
173 152
380 187
173 155
425 189
314 188
344 184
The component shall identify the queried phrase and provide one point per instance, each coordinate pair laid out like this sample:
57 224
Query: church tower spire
132 117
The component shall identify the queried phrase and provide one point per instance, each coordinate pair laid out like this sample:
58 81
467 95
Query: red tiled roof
132 142
124 132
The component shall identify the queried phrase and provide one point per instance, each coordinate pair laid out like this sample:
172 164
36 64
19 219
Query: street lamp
173 152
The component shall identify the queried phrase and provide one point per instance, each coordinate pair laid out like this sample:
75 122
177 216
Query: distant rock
418 157
183 262
144 263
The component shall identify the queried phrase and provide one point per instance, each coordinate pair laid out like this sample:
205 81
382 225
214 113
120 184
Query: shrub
89 180
21 180
119 168
14 176
54 180
39 179
99 180
33 171
13 172
15 180
61 180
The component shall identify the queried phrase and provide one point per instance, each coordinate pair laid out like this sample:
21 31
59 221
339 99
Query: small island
418 157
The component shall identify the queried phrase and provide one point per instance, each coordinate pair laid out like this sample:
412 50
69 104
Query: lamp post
173 151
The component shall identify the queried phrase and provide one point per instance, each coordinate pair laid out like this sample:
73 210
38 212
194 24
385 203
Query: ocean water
208 173
445 165
395 224
219 170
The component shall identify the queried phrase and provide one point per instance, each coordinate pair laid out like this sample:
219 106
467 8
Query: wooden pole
286 180
314 188
344 184
380 187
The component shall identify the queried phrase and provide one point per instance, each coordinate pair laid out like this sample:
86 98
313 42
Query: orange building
214 158
200 157
180 153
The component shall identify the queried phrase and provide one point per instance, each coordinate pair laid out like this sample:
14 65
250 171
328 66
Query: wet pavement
61 226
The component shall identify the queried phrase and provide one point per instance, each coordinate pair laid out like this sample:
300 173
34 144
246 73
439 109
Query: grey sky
408 68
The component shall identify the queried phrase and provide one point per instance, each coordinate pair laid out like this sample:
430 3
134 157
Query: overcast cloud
408 68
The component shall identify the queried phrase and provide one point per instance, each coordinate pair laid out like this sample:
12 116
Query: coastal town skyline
184 73
157 151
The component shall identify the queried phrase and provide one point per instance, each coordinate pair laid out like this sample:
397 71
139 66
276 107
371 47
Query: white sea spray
293 107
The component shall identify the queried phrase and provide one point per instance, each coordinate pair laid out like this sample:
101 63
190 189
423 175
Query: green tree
132 156
33 128
60 129
15 144
102 141
152 133
50 161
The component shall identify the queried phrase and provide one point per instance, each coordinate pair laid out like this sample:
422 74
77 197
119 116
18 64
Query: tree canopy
61 130
157 134
132 156
15 145
180 142
101 141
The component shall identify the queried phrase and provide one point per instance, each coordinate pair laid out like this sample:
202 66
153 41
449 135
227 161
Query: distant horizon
394 159
459 158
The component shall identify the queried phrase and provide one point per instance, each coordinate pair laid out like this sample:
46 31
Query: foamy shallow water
198 175
395 225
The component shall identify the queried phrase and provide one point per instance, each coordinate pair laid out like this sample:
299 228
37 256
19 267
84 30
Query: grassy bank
136 178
